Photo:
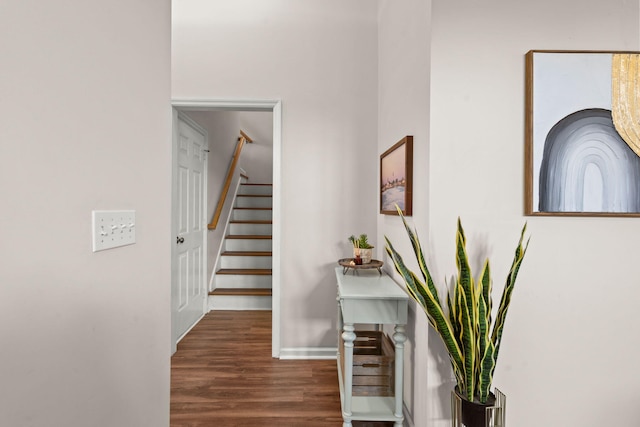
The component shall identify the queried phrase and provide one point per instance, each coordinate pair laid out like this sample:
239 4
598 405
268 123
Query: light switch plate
112 229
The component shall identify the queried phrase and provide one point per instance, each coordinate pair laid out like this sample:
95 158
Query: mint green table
370 298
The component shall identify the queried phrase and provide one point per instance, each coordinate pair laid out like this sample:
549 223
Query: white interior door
188 281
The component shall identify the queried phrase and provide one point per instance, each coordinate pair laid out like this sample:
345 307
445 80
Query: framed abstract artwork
396 178
582 155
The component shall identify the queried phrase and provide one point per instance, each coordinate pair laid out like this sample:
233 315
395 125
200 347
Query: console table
370 298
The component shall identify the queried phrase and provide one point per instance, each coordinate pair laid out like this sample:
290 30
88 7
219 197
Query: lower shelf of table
368 408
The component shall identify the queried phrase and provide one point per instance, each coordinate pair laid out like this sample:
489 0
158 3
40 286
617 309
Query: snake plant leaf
498 327
431 306
466 288
483 335
406 274
468 347
453 315
457 315
461 231
484 310
486 288
417 250
487 367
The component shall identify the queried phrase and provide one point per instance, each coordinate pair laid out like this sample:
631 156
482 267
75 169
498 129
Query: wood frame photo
582 144
396 178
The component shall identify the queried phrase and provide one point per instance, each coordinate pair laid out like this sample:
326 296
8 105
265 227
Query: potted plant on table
468 333
362 250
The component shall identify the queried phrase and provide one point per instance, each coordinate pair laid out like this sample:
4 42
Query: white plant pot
365 254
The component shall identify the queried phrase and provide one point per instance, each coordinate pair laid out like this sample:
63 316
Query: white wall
257 159
319 58
85 124
403 65
569 351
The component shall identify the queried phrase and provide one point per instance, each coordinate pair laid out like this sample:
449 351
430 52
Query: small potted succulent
362 250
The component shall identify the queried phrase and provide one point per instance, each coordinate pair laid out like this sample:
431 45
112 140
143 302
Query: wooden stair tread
259 292
246 271
246 253
253 209
250 183
251 221
254 195
249 236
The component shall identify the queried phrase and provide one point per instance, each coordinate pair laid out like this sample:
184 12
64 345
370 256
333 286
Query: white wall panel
86 124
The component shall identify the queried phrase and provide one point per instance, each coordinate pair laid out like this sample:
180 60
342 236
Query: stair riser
254 202
242 281
260 229
230 261
252 215
247 245
256 189
232 302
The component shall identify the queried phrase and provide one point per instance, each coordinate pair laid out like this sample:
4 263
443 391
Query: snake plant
466 328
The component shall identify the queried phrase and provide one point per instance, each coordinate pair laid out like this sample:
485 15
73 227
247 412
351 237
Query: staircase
243 277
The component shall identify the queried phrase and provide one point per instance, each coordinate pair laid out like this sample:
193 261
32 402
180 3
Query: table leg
349 337
399 339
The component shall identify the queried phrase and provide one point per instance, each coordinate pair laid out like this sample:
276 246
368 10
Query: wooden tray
349 263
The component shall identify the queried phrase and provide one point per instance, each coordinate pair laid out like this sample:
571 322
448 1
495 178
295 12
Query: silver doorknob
180 239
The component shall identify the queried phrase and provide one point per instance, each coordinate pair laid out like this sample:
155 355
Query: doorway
275 107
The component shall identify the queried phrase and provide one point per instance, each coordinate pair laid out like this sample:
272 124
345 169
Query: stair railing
227 183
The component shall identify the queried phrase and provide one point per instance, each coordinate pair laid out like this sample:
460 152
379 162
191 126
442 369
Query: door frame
275 107
176 116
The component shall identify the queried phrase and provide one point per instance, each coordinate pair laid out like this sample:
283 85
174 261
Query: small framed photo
396 178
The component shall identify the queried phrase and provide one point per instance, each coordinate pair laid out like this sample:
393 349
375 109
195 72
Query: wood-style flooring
223 375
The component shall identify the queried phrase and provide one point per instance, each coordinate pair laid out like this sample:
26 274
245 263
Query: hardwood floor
223 375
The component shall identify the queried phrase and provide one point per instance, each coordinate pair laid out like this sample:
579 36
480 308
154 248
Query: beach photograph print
583 133
396 177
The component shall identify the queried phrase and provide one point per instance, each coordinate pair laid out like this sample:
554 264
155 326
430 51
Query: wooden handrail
227 183
245 136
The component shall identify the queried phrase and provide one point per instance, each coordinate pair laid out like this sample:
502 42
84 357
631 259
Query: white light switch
112 229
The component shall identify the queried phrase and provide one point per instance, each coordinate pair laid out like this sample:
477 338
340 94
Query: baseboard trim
309 353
